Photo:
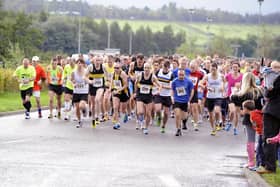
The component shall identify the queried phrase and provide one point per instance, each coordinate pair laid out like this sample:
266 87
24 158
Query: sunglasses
116 68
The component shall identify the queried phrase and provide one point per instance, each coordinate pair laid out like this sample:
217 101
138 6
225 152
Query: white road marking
16 141
169 180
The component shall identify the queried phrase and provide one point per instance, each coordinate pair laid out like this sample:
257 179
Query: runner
195 77
25 75
109 70
80 85
40 77
234 83
54 79
119 89
182 92
68 87
215 87
144 83
95 78
163 99
135 69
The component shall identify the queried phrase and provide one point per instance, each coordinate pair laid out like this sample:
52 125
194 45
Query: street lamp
209 20
109 31
130 38
191 11
79 30
260 14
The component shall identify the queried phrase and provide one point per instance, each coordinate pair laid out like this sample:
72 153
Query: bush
7 82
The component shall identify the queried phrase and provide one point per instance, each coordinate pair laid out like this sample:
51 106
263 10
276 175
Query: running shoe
66 118
145 131
50 116
40 114
59 115
89 113
128 117
27 115
97 122
162 130
178 133
185 127
213 133
116 126
93 124
218 128
79 124
125 118
195 127
228 126
235 132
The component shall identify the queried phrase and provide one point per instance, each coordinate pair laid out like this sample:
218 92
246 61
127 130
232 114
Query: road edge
3 114
254 179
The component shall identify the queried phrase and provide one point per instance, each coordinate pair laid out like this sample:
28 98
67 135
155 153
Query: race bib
98 82
145 89
80 85
181 91
117 84
54 80
24 81
194 80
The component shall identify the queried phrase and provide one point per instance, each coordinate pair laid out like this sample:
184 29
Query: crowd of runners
150 90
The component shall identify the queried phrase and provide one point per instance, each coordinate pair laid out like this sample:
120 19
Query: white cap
35 58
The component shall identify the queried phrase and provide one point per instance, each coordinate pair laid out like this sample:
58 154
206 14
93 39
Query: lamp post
209 20
79 30
260 14
109 30
130 38
191 11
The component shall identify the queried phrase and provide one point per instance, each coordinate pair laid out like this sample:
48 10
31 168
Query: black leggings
271 127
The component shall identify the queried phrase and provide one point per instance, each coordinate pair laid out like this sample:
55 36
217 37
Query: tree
220 45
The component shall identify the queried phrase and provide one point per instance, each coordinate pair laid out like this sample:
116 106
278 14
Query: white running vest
214 87
81 86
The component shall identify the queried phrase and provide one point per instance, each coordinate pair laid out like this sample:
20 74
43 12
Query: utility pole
130 38
79 30
259 46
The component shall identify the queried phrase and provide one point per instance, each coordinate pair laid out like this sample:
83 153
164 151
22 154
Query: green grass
12 101
199 30
273 179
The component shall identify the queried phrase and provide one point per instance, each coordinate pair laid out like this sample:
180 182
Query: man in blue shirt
183 65
182 91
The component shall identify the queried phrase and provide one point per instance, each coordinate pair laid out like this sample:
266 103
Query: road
42 152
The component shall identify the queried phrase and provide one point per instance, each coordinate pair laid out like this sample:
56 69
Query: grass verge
11 101
273 179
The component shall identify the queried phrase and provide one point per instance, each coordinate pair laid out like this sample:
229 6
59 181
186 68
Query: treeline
62 34
37 34
168 12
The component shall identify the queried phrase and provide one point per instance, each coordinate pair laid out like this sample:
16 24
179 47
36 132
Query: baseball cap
35 58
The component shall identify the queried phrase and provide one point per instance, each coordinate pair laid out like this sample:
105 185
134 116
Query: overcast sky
240 6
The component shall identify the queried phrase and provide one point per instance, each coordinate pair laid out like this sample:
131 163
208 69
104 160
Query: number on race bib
145 89
117 84
194 80
98 82
181 91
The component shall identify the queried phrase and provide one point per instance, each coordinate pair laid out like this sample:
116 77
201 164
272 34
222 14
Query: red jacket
257 119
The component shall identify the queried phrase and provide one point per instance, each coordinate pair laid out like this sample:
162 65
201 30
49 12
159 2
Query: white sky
240 6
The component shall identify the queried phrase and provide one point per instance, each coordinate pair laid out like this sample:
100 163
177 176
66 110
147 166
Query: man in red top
40 77
195 77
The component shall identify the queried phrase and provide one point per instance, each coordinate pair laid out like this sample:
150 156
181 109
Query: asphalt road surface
42 152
